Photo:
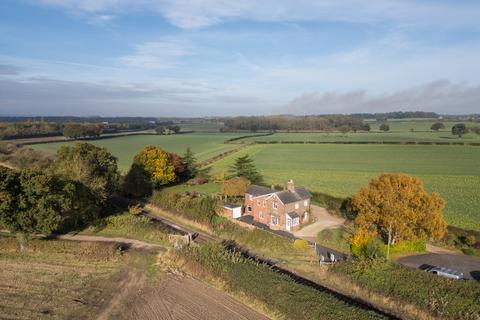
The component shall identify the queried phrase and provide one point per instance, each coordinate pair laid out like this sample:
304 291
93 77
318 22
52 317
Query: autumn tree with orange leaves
157 163
396 207
235 187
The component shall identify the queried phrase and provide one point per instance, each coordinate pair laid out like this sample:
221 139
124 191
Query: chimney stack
290 186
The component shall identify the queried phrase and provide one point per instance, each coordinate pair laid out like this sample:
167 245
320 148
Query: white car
444 272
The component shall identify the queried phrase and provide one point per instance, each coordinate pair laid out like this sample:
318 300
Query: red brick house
280 210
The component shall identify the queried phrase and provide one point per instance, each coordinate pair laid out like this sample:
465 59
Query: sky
227 57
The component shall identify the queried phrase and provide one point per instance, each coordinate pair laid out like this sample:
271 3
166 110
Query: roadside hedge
278 292
449 298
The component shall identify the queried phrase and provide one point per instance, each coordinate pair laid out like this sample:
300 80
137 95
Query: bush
470 240
471 252
300 245
199 208
407 246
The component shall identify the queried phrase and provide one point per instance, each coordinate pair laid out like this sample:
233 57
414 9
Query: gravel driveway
324 221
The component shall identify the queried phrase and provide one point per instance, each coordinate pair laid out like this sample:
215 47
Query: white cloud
158 55
439 96
203 13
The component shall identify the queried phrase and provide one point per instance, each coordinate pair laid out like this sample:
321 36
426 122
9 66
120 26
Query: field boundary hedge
221 156
476 144
247 136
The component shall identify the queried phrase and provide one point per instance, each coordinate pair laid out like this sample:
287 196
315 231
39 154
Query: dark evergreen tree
244 167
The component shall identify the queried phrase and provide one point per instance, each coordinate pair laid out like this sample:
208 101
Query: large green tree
91 166
437 126
459 129
244 167
35 201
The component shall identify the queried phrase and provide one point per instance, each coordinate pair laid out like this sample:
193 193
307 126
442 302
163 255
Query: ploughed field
340 170
204 145
55 279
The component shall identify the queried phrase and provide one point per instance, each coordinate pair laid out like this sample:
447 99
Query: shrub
470 240
471 252
300 245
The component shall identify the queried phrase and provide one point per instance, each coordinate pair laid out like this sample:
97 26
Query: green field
204 145
442 136
202 126
340 170
400 131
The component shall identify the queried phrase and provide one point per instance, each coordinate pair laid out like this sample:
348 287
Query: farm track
300 279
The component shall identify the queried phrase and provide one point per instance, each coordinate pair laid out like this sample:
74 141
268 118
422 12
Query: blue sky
222 57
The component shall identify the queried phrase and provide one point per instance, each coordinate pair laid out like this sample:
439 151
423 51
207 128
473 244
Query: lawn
204 145
340 170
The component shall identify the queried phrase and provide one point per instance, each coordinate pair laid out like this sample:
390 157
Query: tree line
272 123
31 129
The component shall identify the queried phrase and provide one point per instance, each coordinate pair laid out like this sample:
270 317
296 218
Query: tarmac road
470 266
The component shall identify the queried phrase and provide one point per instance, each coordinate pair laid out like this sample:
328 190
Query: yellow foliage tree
397 207
300 245
235 187
157 163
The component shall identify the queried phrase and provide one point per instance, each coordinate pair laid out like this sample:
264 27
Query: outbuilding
232 211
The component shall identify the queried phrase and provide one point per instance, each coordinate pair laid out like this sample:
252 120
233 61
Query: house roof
256 191
303 193
231 206
298 194
285 196
293 215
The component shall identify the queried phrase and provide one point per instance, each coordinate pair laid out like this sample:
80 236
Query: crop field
340 170
55 279
204 145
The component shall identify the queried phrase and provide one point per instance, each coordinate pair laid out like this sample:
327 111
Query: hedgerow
445 297
278 292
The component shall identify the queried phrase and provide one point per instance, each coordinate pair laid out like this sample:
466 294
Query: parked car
444 272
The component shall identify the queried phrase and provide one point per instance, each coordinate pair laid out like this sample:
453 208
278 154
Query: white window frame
250 196
305 203
272 218
297 205
261 215
274 205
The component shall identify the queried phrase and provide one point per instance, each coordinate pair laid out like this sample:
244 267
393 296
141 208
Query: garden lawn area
340 170
204 145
